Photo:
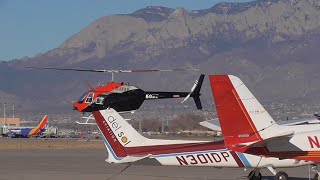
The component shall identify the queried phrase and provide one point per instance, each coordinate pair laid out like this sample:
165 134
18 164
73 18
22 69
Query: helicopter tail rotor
195 92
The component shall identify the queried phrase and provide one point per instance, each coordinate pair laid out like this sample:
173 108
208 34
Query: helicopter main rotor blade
158 70
71 69
112 71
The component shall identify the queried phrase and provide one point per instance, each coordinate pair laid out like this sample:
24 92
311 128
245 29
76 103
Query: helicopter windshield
81 98
90 98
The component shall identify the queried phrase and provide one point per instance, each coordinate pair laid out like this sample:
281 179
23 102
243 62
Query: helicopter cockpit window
100 100
90 98
81 98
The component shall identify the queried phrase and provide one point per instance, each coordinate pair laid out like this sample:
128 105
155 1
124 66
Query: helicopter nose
77 106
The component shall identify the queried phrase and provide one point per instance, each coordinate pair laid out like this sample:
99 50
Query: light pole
13 111
4 112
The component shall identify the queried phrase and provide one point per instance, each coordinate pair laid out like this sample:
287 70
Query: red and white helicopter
124 97
125 145
248 128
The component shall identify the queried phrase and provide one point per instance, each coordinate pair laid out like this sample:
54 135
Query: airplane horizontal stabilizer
127 159
212 124
264 142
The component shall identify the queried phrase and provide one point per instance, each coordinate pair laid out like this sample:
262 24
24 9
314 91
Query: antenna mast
4 112
112 76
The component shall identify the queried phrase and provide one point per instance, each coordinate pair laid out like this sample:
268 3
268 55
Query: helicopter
123 97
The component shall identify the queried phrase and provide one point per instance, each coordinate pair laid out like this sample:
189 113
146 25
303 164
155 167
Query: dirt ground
54 143
74 143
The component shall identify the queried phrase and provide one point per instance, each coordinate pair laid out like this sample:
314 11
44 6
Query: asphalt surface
90 164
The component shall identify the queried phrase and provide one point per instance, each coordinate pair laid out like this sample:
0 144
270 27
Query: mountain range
272 45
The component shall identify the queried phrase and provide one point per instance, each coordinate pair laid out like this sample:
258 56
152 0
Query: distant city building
51 130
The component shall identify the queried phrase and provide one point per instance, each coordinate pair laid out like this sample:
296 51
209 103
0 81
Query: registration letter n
182 160
314 142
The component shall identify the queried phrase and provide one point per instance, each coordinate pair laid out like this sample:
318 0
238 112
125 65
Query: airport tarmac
53 164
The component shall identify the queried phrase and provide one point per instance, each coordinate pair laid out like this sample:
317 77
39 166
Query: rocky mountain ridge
271 44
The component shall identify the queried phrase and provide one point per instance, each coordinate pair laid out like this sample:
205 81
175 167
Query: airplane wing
300 122
212 124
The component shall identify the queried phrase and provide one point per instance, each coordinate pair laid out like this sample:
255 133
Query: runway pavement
90 164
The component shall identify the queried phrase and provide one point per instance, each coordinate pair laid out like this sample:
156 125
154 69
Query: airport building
12 122
5 123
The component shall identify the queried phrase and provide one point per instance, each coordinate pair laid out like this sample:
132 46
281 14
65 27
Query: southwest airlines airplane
24 132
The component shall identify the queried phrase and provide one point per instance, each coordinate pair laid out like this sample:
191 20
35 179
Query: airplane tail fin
41 126
117 135
124 144
196 92
243 119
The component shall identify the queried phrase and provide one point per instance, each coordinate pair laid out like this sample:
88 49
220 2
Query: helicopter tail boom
194 93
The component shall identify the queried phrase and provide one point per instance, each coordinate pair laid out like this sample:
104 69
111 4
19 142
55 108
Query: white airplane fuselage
225 158
303 144
125 144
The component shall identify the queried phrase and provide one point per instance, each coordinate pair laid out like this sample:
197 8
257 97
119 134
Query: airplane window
90 98
81 98
100 100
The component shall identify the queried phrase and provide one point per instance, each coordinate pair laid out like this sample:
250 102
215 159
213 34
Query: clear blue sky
28 27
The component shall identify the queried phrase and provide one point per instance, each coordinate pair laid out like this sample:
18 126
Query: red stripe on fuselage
237 159
298 155
175 148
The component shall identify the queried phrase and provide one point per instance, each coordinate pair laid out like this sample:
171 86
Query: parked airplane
124 144
248 128
24 132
